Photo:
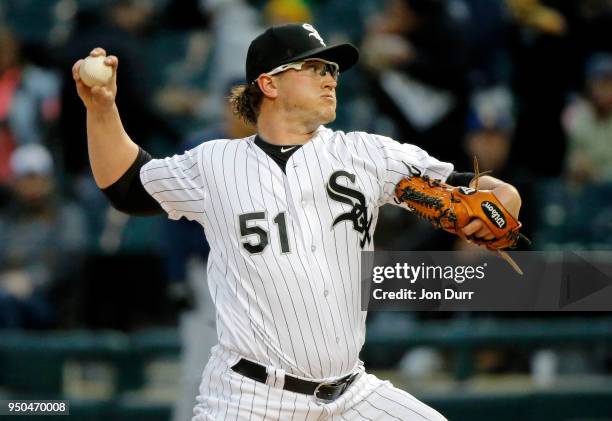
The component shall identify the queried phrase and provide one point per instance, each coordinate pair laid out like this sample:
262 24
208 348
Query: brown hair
245 101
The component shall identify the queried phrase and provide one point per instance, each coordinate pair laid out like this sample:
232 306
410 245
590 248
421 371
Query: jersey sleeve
399 160
177 183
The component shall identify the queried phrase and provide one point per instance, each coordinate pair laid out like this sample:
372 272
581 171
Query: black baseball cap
283 44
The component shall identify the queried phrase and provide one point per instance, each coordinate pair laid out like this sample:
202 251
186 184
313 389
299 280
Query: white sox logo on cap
313 33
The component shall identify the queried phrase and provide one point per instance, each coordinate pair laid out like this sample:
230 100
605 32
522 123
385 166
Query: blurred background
112 313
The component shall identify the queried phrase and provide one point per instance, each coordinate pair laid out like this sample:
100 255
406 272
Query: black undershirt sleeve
128 194
460 178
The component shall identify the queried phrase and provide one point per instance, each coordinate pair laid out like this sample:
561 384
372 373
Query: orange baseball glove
452 208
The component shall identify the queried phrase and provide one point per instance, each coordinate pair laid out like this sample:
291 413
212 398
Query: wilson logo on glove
494 214
467 190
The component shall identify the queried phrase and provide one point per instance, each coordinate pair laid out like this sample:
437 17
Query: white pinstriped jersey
283 270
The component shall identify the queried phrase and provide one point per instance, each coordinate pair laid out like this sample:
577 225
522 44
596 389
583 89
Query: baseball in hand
94 72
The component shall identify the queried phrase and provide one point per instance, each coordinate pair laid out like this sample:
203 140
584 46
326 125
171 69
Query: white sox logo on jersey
313 33
358 215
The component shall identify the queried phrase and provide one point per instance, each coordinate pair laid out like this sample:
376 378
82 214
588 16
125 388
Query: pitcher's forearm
111 151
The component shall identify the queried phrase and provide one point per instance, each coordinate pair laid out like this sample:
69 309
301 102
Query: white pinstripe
293 303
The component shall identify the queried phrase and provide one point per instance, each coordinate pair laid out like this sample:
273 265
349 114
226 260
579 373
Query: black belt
326 391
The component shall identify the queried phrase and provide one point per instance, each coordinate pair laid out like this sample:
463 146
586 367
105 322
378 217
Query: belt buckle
338 388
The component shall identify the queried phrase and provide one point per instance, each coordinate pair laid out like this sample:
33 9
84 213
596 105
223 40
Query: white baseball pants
227 395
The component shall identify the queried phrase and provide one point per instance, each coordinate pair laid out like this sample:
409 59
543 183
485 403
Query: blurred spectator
185 15
120 27
184 94
486 29
549 43
416 53
537 16
489 129
183 47
595 25
234 24
588 124
42 240
28 100
277 12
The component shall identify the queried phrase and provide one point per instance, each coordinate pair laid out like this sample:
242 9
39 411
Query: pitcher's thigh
387 402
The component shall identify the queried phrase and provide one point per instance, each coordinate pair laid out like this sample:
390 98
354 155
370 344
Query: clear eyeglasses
324 67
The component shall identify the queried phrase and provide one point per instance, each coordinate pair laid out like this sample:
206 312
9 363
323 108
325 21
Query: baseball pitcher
287 213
